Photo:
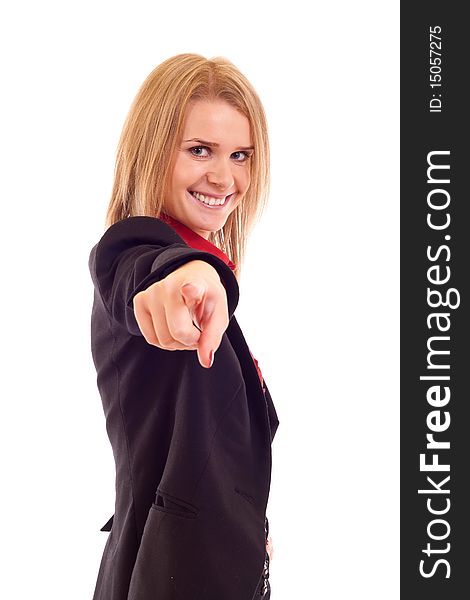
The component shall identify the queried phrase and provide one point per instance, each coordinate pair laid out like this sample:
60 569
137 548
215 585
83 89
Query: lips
210 201
208 194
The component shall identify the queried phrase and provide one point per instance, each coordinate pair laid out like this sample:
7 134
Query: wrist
201 268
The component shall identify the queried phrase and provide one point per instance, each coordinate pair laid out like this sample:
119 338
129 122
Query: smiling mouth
210 200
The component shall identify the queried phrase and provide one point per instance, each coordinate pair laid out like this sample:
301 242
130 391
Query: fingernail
211 358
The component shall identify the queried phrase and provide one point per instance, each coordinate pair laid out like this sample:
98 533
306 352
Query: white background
319 292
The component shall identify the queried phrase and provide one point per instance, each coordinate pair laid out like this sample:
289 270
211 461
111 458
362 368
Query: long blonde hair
154 126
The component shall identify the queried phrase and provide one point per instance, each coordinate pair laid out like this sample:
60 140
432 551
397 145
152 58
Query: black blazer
192 446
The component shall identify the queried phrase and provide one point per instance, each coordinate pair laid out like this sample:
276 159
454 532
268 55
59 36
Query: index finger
214 322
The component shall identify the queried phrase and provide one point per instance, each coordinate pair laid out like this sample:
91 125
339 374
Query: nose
221 174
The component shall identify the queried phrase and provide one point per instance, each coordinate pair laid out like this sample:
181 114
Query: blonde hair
154 127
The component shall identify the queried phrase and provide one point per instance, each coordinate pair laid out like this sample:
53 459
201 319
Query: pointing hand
187 310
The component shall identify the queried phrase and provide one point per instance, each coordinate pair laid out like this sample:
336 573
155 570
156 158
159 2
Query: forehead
216 121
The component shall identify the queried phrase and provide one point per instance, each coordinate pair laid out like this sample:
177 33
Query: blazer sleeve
136 252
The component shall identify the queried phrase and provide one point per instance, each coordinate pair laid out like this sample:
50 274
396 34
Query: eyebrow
215 145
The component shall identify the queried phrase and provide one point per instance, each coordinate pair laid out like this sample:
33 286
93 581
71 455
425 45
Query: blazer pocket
167 503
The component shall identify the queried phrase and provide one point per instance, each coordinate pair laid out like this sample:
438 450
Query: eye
246 155
198 152
198 155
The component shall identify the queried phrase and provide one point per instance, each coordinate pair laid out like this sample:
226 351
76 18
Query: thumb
192 294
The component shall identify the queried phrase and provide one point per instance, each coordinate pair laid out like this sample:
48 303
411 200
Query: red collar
194 240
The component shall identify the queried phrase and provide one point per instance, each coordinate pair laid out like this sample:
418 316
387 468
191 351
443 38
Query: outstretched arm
187 310
136 254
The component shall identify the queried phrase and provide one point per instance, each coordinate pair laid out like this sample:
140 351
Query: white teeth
210 200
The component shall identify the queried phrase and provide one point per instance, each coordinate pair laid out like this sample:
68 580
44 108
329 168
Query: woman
191 432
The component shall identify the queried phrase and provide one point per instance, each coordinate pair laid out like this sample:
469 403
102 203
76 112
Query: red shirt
195 240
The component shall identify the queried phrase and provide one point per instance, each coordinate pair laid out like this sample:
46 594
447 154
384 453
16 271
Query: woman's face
212 161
